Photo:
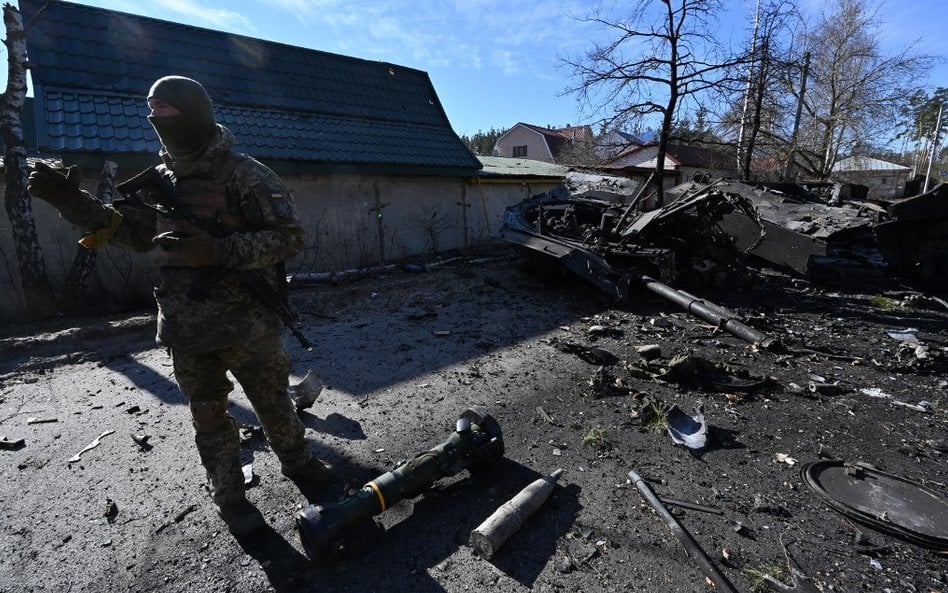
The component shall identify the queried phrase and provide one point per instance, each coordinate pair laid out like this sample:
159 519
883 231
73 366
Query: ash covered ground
575 382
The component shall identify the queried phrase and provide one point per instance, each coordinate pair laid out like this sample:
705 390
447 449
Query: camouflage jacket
264 231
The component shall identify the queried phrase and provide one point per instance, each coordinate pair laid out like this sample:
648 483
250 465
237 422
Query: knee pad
208 415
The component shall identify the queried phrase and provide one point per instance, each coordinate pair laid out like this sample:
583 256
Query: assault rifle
168 204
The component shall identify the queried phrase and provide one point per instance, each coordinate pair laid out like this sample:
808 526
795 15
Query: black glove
56 186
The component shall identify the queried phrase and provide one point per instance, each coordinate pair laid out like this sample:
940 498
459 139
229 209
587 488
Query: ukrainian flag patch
276 195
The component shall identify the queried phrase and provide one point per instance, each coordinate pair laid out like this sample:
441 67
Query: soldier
207 318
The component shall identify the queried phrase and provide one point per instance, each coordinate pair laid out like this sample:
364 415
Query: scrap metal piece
305 393
915 239
142 441
710 312
690 431
690 505
691 546
41 420
802 228
617 249
90 446
882 501
801 582
8 445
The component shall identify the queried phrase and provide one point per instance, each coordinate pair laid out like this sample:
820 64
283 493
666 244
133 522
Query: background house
365 146
614 142
549 145
885 180
682 161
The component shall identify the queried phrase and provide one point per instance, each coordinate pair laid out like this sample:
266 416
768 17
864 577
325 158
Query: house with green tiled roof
366 147
91 69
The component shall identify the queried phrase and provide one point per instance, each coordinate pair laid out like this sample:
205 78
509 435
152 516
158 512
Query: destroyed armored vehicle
595 226
599 228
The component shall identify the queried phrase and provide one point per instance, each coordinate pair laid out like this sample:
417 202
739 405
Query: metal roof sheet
497 166
864 163
91 70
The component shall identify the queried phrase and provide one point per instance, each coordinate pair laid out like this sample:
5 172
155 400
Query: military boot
310 476
220 455
241 517
286 434
313 471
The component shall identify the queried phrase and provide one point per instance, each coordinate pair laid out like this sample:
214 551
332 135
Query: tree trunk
747 158
37 290
75 292
743 164
790 172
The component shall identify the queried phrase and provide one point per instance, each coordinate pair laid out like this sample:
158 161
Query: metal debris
604 238
8 445
690 505
41 420
142 441
690 431
545 416
885 502
801 582
305 393
90 446
177 518
111 510
247 471
714 231
718 579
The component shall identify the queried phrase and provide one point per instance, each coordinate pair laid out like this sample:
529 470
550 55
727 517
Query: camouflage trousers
262 368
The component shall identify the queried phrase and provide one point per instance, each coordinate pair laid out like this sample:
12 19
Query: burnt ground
403 355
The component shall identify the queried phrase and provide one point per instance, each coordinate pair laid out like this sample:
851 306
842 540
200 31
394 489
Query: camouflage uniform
223 327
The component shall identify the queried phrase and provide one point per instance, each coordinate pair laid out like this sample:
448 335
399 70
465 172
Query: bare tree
772 56
676 61
855 91
37 290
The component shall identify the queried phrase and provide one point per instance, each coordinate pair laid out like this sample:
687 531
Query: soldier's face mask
186 135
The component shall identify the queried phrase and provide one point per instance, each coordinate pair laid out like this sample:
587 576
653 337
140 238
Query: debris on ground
394 385
95 443
305 393
688 430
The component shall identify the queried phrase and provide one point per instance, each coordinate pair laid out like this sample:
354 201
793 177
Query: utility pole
931 156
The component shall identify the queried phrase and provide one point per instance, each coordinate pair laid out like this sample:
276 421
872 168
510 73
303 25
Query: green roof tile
93 67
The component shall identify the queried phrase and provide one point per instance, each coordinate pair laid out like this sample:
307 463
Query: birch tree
37 290
772 58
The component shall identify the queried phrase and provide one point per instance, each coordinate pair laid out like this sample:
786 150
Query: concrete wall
419 216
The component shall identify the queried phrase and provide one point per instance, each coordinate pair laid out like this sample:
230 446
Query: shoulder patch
280 204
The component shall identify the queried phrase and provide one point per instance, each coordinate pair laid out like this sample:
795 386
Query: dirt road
559 368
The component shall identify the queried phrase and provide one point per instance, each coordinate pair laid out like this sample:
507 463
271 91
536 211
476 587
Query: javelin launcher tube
477 440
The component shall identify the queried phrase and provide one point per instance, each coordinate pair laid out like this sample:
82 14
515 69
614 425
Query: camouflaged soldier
207 317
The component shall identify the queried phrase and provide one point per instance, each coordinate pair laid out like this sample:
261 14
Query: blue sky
493 63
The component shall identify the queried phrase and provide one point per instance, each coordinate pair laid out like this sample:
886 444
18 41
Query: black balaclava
186 135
